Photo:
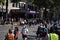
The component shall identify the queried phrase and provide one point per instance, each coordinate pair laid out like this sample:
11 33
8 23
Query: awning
32 12
18 11
15 8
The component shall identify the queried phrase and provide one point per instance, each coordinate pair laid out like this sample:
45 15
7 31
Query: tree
30 1
51 4
15 1
41 4
2 1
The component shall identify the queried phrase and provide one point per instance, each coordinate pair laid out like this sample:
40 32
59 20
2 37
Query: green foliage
15 1
2 1
30 1
57 2
40 3
47 3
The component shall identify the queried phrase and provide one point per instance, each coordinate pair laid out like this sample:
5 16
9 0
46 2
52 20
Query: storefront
22 13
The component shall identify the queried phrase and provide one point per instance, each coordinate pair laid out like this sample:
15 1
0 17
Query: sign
32 11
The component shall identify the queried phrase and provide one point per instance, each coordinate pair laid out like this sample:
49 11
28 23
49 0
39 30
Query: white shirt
25 31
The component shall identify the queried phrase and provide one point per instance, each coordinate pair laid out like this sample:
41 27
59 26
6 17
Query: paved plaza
31 36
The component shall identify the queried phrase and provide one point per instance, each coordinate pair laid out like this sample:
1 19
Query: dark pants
16 38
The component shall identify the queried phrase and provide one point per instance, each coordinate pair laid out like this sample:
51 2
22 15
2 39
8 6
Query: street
4 30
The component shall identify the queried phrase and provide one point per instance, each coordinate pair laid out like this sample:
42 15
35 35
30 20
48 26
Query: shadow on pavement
31 37
34 31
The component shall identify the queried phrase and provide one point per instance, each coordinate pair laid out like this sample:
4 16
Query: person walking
24 32
9 36
16 33
52 35
38 31
12 29
42 32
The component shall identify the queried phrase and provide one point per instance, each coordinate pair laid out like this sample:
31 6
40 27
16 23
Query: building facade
17 10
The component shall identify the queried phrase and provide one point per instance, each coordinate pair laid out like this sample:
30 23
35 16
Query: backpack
43 32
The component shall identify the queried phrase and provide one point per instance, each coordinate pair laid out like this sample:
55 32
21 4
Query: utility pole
6 9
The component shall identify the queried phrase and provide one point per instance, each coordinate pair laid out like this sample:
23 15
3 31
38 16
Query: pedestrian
9 36
24 32
42 32
37 33
16 33
12 29
52 35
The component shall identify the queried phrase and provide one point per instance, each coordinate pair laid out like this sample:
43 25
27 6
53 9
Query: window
13 5
18 5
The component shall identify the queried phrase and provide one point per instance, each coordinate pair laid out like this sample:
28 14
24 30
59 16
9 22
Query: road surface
31 36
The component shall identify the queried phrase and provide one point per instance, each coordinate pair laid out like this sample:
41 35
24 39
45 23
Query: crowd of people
47 34
47 30
14 33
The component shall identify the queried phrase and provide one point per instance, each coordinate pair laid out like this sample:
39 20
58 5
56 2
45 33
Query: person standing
24 32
